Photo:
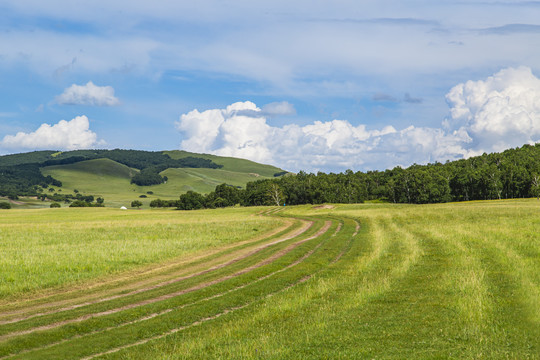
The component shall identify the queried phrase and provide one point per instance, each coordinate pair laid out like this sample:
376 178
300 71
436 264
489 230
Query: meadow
50 247
459 280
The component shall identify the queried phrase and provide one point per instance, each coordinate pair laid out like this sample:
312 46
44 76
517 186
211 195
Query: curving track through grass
443 281
101 321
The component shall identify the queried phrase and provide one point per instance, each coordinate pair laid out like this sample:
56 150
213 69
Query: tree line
514 173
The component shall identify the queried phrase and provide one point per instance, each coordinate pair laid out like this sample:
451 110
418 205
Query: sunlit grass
433 281
417 282
52 247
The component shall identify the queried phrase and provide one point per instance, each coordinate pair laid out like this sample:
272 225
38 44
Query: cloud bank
500 112
65 135
241 130
88 94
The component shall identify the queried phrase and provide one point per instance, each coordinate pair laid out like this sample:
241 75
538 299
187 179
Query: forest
514 173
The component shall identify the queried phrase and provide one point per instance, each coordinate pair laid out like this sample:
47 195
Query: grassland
55 247
111 180
350 281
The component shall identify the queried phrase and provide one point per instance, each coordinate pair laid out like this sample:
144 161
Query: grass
27 203
45 248
423 282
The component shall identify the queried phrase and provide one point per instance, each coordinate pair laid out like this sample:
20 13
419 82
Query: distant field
111 180
339 282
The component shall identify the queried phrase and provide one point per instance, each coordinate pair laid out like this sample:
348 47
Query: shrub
81 203
55 205
5 205
163 203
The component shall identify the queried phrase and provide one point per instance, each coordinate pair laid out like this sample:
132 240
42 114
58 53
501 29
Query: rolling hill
111 180
229 163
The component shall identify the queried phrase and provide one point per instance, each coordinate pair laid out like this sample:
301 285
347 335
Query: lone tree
136 203
535 186
275 193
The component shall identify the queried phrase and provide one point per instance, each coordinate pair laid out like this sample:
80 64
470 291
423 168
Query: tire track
174 331
166 311
306 226
126 282
224 312
176 293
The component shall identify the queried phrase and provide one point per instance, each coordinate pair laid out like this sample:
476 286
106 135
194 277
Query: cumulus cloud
241 130
500 112
489 115
65 135
88 94
237 130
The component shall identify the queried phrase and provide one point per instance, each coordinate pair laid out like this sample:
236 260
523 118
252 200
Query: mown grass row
152 293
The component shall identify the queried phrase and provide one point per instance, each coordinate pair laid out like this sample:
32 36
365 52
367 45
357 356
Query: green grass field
335 282
111 180
53 247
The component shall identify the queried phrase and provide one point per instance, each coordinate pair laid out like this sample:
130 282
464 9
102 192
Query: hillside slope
111 180
230 163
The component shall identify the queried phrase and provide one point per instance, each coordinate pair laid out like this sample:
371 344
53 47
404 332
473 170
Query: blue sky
303 85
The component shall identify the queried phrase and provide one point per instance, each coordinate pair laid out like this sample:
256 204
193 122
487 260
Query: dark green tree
5 205
191 201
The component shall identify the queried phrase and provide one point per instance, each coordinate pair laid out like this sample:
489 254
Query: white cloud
65 135
310 48
88 94
278 108
489 115
241 131
500 112
238 127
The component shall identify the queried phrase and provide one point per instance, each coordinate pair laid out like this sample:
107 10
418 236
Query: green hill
111 180
110 173
230 163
